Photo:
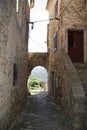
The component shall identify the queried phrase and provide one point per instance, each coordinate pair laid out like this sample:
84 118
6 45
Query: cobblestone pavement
41 113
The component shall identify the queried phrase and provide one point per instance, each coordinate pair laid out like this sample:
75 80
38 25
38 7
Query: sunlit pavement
38 91
41 113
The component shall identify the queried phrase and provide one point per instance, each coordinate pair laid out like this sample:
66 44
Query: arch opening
38 80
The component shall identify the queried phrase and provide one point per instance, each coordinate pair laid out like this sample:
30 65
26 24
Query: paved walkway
41 113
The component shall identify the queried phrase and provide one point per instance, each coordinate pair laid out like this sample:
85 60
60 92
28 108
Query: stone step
82 73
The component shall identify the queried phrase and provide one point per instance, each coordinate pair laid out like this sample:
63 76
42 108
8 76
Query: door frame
78 30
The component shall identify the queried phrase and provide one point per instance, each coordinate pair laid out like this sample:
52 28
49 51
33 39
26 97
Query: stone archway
39 73
38 59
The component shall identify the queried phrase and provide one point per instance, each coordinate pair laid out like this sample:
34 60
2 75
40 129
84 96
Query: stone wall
38 59
70 92
53 57
13 61
64 83
72 17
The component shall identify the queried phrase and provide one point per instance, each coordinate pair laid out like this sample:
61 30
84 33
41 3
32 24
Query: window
15 74
56 9
55 42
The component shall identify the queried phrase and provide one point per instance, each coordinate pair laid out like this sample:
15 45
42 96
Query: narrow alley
41 113
51 34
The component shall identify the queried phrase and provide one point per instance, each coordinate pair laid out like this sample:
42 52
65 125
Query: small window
55 42
56 9
15 74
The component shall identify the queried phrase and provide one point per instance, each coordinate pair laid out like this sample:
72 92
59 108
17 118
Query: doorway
75 46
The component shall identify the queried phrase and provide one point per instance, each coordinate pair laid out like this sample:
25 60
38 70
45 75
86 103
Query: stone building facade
14 19
67 45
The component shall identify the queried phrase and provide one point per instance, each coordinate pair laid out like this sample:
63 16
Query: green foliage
33 83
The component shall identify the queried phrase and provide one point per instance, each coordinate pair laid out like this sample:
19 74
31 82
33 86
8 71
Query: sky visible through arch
38 35
41 73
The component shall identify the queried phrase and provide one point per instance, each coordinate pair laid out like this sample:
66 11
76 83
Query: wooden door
75 46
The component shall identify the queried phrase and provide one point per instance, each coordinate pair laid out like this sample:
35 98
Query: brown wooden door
75 46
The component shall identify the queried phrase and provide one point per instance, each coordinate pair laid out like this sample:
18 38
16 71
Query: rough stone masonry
13 59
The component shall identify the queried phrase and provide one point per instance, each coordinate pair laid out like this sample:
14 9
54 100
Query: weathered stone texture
72 17
72 93
13 49
64 83
38 59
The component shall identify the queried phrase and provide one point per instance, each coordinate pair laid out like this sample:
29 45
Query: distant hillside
40 73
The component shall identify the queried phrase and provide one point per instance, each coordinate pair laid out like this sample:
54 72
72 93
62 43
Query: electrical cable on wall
32 23
55 18
49 19
64 9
